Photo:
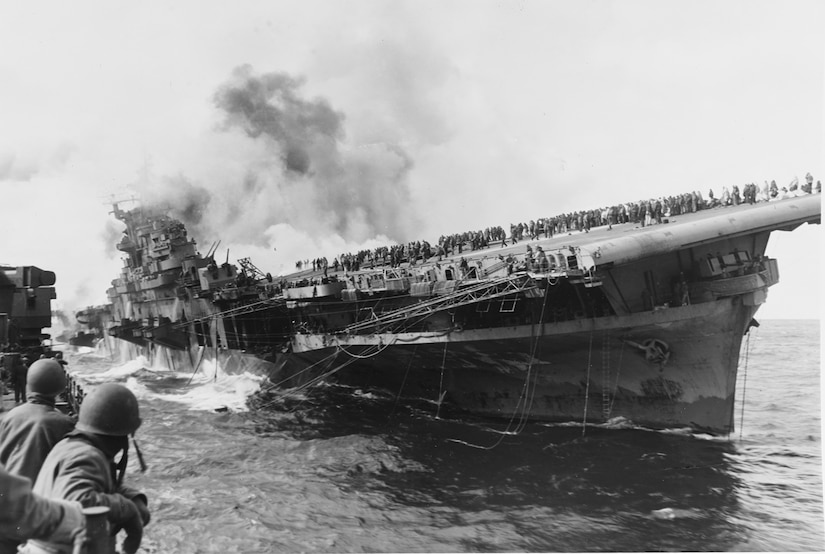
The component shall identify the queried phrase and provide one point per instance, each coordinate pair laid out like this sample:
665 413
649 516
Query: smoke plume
289 168
301 131
356 192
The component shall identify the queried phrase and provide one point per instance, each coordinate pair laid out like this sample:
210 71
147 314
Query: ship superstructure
169 295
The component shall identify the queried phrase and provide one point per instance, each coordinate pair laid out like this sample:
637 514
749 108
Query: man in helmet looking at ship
29 431
82 466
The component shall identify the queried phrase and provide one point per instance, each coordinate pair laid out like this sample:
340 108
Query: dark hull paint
572 371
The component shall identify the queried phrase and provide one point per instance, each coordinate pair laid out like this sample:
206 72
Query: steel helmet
110 409
46 377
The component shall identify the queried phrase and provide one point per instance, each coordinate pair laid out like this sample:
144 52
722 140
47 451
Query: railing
74 393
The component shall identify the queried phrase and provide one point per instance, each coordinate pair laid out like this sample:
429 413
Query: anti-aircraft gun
26 293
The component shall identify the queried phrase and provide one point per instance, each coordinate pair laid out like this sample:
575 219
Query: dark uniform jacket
28 433
24 515
77 469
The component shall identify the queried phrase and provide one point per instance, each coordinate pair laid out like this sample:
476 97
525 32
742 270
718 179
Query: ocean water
341 470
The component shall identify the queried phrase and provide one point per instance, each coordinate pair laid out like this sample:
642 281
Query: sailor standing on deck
82 466
18 375
809 184
541 260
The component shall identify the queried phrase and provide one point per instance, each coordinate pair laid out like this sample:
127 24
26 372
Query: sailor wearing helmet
82 466
29 431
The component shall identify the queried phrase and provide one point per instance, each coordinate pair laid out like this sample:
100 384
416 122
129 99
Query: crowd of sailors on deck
643 212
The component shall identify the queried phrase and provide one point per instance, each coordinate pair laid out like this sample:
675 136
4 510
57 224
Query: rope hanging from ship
441 392
745 382
526 392
320 378
272 385
531 393
403 381
315 380
309 384
587 384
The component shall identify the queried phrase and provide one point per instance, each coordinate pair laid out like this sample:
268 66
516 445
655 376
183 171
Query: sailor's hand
72 524
143 510
134 534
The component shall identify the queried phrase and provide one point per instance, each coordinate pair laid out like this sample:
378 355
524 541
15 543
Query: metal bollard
97 539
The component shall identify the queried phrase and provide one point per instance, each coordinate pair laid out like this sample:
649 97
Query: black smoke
290 165
271 105
326 185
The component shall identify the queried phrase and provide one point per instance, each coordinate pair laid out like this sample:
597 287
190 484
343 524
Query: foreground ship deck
643 323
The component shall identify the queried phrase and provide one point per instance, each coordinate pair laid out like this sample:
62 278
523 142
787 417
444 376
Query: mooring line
441 382
527 395
587 386
744 385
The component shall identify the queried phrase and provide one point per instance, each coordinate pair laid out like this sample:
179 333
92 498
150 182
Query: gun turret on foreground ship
26 294
640 323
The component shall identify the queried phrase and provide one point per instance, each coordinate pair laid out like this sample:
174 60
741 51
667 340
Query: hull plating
671 368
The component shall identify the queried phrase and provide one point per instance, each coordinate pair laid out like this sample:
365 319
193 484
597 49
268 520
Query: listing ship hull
592 370
641 324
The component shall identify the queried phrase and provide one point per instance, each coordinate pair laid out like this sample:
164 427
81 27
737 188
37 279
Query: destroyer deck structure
643 323
26 294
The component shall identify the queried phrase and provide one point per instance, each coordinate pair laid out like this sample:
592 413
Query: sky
295 129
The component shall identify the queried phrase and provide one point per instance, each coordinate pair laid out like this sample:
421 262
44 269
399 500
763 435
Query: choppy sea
341 470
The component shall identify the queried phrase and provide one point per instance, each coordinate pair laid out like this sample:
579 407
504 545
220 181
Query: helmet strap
141 461
119 469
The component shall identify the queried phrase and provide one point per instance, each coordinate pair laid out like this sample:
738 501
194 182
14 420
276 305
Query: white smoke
291 187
